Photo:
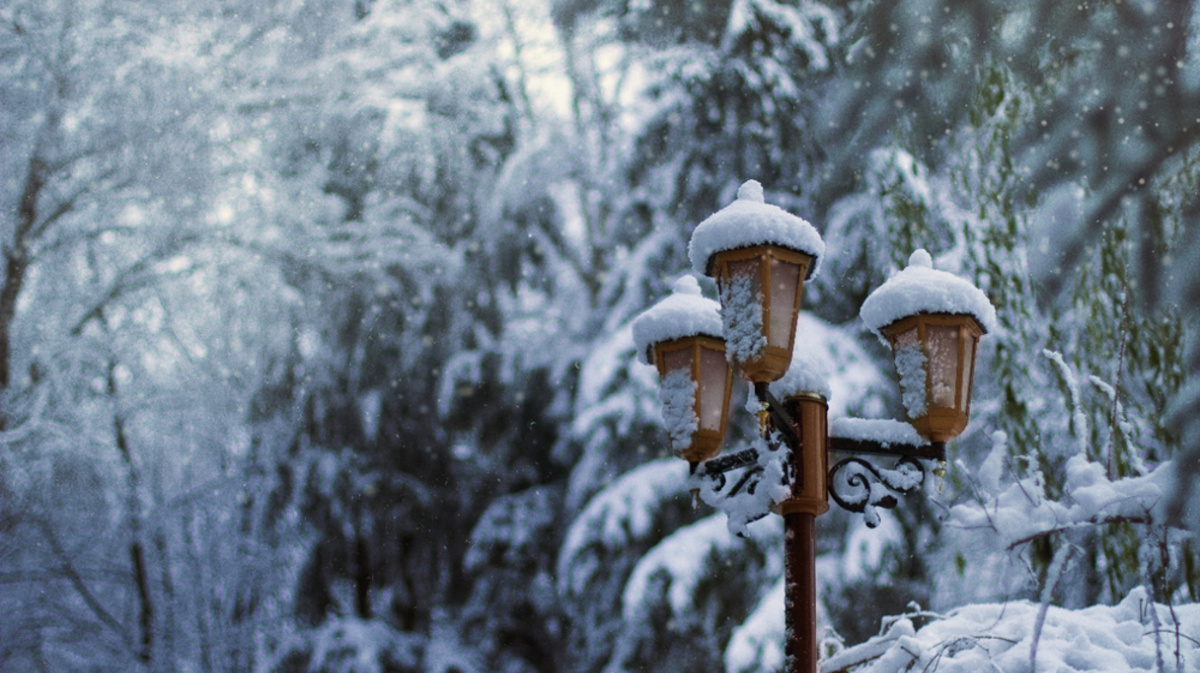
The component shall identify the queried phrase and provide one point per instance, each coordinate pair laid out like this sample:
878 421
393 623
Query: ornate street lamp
681 336
760 256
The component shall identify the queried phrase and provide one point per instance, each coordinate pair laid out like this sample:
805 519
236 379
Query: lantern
760 256
696 380
932 320
935 361
681 336
760 299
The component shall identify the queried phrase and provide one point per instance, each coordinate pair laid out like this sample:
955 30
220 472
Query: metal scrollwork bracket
854 483
716 468
860 486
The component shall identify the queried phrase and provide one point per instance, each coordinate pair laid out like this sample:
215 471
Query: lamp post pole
800 598
760 256
809 499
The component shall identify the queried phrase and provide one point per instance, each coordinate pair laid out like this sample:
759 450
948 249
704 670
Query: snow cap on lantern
750 221
920 288
760 256
682 314
681 336
933 321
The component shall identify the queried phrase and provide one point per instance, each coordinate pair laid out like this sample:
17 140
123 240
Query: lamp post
760 256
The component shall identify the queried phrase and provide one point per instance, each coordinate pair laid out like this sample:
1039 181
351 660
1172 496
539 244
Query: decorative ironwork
751 494
729 462
858 486
853 483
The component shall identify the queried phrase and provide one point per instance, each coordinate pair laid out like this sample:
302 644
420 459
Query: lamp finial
751 190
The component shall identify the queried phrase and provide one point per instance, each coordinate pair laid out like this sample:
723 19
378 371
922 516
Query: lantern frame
705 442
774 358
941 423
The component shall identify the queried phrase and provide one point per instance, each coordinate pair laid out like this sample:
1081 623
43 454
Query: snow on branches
1023 511
1133 636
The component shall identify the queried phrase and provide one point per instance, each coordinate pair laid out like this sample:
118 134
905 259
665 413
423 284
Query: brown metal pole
800 597
809 500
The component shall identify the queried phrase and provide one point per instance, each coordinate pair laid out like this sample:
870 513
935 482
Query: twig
1092 521
69 571
1157 625
1153 631
1053 575
1165 561
1116 402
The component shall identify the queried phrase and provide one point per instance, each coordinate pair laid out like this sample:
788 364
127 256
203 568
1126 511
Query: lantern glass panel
968 366
784 279
907 340
942 342
745 267
677 359
714 375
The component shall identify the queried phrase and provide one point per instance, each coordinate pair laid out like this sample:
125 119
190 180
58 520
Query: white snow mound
882 430
684 313
1120 638
920 288
809 371
748 221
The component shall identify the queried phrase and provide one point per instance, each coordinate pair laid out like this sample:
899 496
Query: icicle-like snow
741 311
910 365
678 395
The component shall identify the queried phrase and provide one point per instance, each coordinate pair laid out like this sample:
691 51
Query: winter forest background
315 348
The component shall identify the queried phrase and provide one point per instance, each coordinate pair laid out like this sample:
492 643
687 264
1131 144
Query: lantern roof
686 312
748 221
920 288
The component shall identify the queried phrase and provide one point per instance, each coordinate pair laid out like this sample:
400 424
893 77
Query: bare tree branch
68 570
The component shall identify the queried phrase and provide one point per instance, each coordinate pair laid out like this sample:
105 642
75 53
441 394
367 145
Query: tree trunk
16 258
137 555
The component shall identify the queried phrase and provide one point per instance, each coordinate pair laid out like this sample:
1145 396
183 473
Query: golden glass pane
714 378
906 339
747 268
942 351
969 343
677 359
784 285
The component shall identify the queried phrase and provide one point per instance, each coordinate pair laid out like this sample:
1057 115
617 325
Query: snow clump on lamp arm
879 430
683 314
751 221
920 288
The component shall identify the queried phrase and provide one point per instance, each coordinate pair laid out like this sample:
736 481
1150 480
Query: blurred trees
124 349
